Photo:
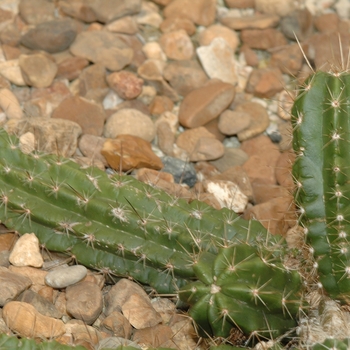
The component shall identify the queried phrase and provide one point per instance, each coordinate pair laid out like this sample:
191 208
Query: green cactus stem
321 141
115 223
245 286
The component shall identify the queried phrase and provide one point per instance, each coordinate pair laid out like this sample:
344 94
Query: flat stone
233 122
125 25
171 24
255 21
204 104
37 69
182 171
37 276
91 146
264 192
52 36
65 276
126 84
274 214
26 252
152 72
155 336
40 303
165 138
160 105
118 324
265 82
263 39
284 170
102 47
228 194
18 315
219 31
11 71
92 83
185 76
56 136
84 301
201 12
240 4
298 23
10 104
177 45
275 7
259 119
139 312
130 121
231 157
100 10
88 114
120 293
36 11
288 59
12 284
71 67
218 60
130 152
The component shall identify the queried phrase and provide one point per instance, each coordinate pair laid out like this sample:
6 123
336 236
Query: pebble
182 171
102 47
218 60
88 114
231 157
219 31
177 45
204 104
36 11
276 7
91 145
84 301
184 76
12 284
250 22
152 72
10 105
259 119
55 136
125 25
38 70
71 67
154 337
263 39
153 50
130 121
233 122
200 144
228 194
130 152
171 24
126 84
118 324
12 72
138 310
40 303
26 252
65 276
52 36
201 12
102 11
298 24
18 315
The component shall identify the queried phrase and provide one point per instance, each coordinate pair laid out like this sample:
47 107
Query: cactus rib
321 130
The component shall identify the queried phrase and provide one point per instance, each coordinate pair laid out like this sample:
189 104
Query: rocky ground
197 92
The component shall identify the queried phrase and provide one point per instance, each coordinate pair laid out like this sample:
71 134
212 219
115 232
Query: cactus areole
321 141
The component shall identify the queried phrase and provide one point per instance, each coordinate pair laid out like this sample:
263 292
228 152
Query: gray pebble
65 276
183 172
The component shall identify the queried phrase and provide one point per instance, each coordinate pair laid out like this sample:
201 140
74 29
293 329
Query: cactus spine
321 139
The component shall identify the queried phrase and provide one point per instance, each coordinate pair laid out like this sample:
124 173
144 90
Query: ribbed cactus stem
115 223
321 141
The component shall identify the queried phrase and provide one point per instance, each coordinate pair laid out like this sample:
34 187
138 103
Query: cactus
332 344
321 131
247 286
121 226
